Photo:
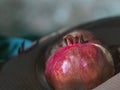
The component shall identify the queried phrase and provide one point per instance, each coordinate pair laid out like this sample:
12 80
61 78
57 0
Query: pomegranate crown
71 40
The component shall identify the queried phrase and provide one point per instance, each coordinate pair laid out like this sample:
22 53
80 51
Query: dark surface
26 71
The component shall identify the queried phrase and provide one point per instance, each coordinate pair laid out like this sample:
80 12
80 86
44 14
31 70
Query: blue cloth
10 46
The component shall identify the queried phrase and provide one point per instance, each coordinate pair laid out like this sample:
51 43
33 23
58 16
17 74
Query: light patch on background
24 17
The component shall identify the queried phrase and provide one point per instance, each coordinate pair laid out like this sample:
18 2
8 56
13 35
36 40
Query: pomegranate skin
79 66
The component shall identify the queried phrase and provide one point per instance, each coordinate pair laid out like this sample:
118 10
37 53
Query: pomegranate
81 64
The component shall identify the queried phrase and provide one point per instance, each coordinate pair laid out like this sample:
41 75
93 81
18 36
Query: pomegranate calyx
82 41
71 40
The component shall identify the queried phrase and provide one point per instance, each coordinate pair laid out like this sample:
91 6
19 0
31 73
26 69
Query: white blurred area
40 17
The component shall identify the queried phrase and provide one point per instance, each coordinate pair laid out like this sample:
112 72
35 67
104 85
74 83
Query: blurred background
28 20
40 17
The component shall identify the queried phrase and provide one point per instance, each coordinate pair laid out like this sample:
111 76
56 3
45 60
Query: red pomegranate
81 64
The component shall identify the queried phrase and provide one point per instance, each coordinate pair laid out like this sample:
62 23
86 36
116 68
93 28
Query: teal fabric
9 46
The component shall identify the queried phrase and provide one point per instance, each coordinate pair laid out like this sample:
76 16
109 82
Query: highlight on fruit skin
82 63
